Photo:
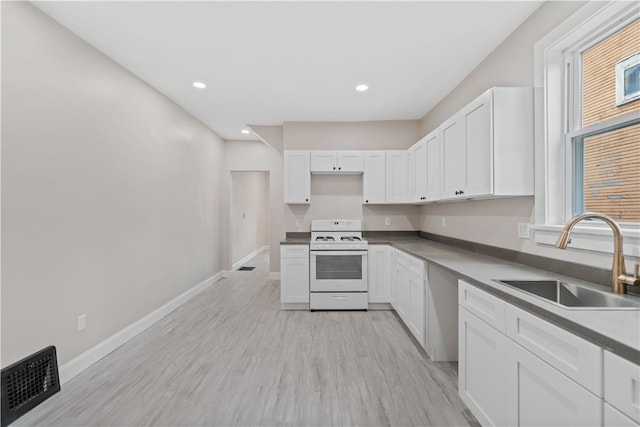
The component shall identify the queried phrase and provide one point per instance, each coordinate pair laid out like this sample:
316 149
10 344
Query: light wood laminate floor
230 356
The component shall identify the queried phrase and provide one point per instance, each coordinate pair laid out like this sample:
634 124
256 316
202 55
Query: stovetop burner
350 238
325 239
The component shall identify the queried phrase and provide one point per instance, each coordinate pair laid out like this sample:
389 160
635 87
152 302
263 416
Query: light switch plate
387 221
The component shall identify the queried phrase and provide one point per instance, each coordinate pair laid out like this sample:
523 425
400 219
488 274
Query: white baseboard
237 265
97 352
274 275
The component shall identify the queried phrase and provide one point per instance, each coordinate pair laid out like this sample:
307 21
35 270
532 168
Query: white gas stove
338 265
337 234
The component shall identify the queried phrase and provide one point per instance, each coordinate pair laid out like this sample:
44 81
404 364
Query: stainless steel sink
573 296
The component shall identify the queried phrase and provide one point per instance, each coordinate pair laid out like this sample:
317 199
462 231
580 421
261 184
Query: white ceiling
270 62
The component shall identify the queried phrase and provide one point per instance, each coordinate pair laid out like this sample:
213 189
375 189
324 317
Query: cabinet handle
340 168
366 201
461 192
334 168
306 200
457 192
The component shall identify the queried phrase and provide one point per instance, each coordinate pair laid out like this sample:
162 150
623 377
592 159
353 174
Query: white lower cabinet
410 304
379 273
539 395
481 368
394 279
294 276
622 385
417 307
517 369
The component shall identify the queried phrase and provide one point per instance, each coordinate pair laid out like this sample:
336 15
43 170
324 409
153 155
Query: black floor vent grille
27 383
246 268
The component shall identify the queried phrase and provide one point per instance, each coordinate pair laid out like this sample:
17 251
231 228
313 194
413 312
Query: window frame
559 118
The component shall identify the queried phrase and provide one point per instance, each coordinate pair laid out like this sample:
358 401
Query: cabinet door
433 165
416 322
539 395
479 150
324 161
350 161
397 175
394 278
403 301
379 277
481 365
420 172
375 177
453 158
294 280
297 178
622 385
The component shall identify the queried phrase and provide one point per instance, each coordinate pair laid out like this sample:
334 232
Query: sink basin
573 296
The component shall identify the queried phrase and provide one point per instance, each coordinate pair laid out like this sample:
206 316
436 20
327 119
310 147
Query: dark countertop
614 330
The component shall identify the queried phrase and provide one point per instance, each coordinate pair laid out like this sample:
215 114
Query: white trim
593 238
100 350
238 264
274 275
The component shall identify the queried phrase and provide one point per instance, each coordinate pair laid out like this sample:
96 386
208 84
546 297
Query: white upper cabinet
424 169
432 142
418 171
397 175
374 183
487 147
323 161
297 177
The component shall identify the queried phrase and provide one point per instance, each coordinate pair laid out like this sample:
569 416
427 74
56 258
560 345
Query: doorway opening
249 217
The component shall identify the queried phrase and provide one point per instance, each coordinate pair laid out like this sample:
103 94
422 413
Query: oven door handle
332 253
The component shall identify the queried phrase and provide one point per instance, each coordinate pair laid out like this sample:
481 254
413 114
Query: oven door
338 271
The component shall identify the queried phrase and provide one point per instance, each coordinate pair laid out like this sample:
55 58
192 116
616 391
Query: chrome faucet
619 277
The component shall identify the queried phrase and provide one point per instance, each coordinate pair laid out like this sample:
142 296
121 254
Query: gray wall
494 222
109 192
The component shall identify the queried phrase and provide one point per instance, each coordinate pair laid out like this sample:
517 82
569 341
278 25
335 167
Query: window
588 136
628 79
603 133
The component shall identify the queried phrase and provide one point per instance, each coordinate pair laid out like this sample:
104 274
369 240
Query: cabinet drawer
482 304
294 251
413 264
578 359
338 301
622 385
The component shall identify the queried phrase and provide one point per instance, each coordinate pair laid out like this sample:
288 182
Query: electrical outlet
298 222
523 230
443 221
387 221
82 322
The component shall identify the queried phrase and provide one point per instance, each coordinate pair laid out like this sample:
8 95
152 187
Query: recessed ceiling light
245 131
362 87
199 85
